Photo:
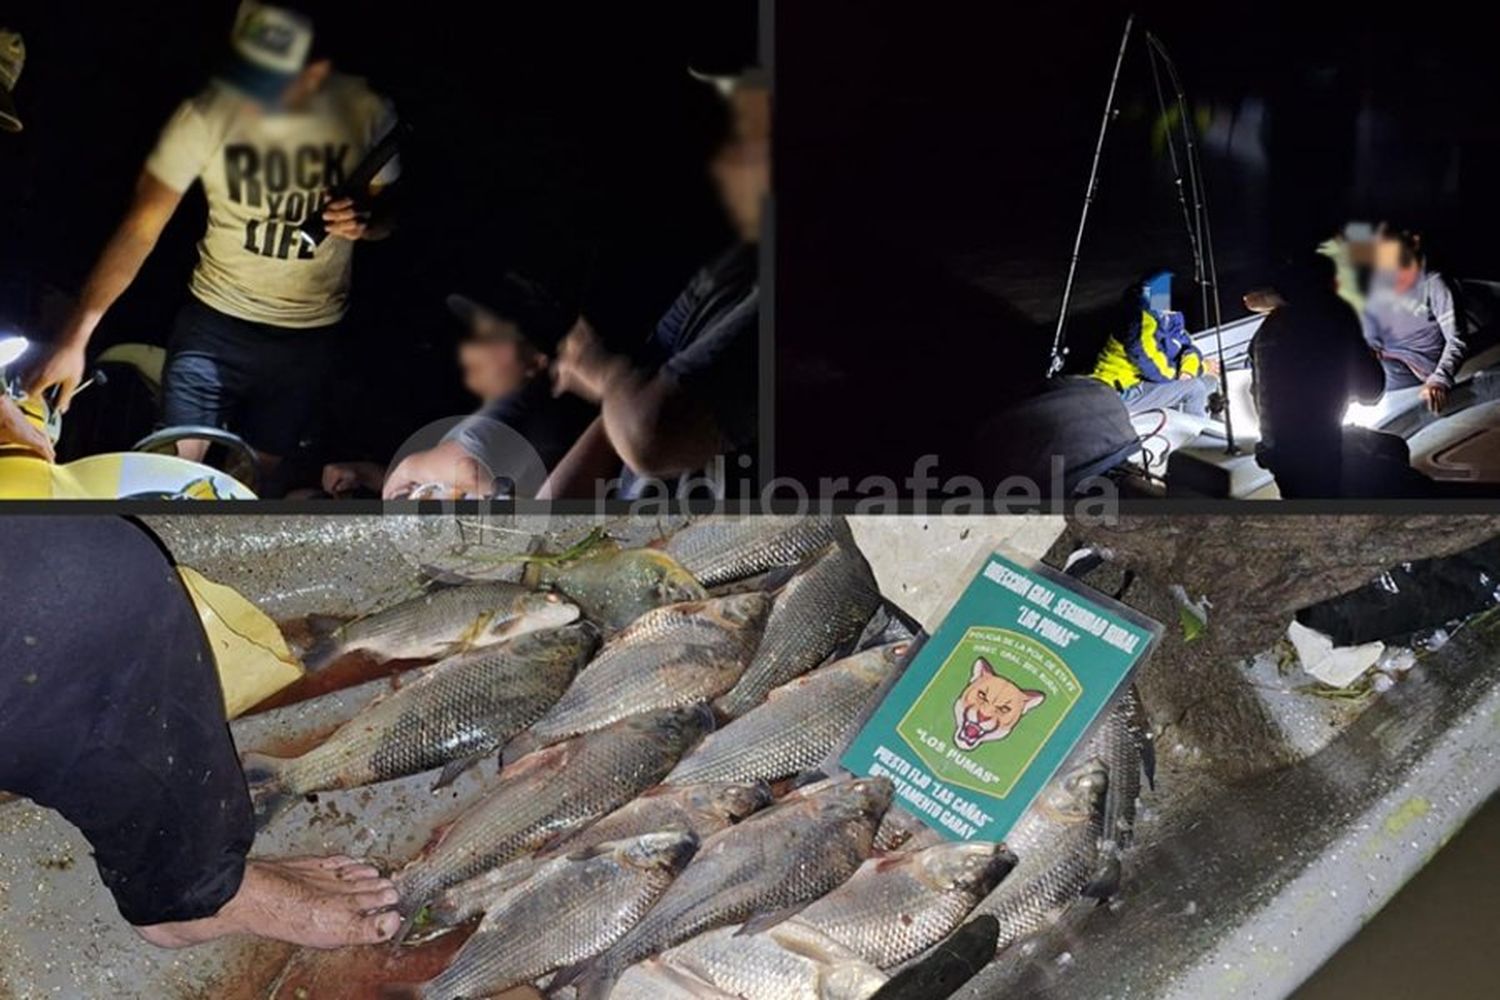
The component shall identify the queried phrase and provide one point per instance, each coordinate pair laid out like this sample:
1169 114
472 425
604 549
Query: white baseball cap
12 58
268 48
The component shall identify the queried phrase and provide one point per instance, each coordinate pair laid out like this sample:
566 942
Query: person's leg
203 382
111 713
290 377
1190 395
1398 375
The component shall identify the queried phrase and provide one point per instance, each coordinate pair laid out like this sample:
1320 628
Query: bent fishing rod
1195 215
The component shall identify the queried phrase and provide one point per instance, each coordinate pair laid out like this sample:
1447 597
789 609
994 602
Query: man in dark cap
690 398
1310 362
510 333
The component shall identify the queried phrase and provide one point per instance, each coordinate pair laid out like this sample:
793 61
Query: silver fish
444 622
571 909
676 655
774 861
820 609
788 962
616 587
900 830
896 907
722 550
799 725
1122 743
549 794
701 810
1057 844
456 711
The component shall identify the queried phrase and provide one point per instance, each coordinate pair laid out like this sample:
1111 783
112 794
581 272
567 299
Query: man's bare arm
659 430
578 473
121 261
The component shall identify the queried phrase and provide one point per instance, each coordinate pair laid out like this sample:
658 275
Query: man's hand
1211 367
448 466
1435 395
583 366
63 367
345 221
16 430
342 478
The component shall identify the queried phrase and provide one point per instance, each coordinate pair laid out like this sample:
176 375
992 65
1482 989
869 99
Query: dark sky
562 139
932 162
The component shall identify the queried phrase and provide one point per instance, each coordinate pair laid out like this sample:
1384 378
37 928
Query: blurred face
1389 265
497 361
742 168
298 93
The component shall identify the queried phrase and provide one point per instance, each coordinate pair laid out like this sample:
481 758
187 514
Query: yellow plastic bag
253 659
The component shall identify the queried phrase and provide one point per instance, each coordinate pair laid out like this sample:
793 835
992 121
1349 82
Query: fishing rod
1060 352
1200 232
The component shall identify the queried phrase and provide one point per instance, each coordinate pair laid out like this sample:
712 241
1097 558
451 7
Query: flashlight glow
11 349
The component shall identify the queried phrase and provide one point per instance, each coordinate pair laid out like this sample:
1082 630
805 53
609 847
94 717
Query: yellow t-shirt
264 174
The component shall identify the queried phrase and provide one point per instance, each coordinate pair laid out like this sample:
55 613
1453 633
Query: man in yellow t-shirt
272 135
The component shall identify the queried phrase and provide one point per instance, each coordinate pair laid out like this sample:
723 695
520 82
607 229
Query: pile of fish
662 826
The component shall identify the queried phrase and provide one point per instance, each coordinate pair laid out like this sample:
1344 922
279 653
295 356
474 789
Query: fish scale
1057 843
788 962
722 550
437 623
461 707
573 908
701 810
550 793
823 607
616 587
783 857
894 908
799 725
677 655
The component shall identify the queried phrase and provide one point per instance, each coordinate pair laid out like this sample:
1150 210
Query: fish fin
518 747
435 578
768 919
454 768
777 578
806 778
589 978
269 796
1106 881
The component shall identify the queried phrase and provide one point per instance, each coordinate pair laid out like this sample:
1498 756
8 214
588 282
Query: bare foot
314 902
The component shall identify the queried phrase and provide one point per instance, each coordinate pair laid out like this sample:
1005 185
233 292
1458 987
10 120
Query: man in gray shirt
1412 321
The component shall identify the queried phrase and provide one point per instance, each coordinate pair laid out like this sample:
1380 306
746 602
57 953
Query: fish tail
520 746
269 794
597 983
327 641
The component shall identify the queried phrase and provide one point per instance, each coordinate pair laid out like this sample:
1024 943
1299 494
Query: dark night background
564 140
932 160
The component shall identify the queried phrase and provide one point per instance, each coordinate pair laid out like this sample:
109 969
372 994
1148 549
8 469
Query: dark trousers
111 713
262 382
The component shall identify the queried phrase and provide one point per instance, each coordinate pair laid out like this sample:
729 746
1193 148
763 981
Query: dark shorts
259 381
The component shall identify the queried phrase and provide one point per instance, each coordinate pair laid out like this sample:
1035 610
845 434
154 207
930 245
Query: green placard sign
992 704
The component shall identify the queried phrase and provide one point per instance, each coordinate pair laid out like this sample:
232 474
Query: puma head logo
989 707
